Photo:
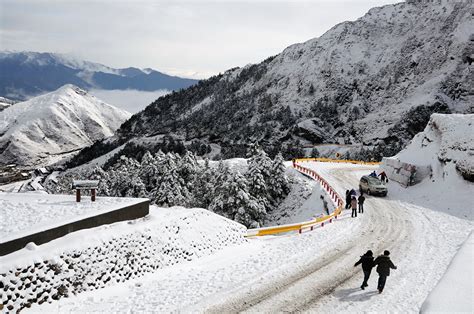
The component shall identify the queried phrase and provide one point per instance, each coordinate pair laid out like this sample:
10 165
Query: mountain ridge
374 81
40 130
23 74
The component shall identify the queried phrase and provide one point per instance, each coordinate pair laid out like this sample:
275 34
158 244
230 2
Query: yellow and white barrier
347 161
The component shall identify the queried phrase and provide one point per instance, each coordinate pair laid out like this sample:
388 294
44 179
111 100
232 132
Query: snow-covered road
421 243
308 272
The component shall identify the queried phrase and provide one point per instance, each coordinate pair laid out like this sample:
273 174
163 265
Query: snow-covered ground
312 271
303 203
95 258
455 293
27 213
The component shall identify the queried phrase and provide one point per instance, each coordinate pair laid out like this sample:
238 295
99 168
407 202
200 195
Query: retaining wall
126 213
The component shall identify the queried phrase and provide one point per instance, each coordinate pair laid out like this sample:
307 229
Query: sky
192 38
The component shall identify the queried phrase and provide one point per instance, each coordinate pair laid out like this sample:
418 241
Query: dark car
372 186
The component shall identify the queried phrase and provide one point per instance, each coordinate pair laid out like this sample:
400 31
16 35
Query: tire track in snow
325 273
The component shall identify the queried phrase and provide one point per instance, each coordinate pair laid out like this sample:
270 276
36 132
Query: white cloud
197 37
130 100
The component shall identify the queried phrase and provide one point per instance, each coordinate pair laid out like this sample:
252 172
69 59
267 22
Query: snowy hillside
448 140
375 81
447 146
88 261
44 128
5 103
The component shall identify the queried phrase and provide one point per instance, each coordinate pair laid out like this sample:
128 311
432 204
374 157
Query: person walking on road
367 261
383 177
325 205
354 207
348 199
384 264
361 203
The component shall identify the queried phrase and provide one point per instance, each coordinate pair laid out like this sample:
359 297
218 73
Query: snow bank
447 147
27 213
448 138
454 292
92 259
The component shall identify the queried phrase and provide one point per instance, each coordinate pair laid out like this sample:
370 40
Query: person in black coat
348 199
367 261
361 200
384 264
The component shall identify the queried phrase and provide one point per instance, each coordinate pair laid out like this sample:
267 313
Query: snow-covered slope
446 142
375 81
40 130
5 103
447 146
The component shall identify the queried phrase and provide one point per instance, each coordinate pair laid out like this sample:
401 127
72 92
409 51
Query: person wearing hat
367 261
384 264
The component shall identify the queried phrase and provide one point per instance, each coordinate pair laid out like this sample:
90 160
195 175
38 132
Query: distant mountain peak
45 128
23 74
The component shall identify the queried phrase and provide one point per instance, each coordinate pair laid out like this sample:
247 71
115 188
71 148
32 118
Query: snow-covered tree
172 190
234 201
104 181
148 171
278 182
204 185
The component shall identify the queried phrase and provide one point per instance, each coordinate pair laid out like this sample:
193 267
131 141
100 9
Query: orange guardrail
310 224
347 161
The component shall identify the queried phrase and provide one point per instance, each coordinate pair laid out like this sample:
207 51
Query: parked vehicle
372 186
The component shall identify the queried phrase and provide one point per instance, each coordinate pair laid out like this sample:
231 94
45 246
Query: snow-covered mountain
23 74
375 81
5 103
45 128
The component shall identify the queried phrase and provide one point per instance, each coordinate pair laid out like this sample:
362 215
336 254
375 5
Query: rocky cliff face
374 81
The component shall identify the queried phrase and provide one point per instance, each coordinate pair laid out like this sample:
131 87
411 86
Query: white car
372 186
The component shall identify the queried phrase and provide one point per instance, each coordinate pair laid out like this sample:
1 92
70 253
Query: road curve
384 229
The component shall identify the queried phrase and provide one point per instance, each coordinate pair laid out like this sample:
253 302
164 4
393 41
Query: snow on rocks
447 147
85 260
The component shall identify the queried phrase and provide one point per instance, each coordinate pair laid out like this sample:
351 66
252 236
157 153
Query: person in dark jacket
361 203
383 177
325 205
373 174
348 199
384 264
367 261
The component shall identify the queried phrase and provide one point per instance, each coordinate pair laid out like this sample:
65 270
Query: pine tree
234 201
104 181
172 190
148 171
204 186
278 186
315 153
